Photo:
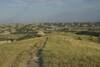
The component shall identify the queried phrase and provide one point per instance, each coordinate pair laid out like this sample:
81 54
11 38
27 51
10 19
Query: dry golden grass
15 52
63 50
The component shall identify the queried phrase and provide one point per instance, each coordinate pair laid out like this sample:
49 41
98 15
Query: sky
49 11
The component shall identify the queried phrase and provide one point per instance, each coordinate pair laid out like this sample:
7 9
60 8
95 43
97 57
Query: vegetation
65 51
50 45
99 39
16 54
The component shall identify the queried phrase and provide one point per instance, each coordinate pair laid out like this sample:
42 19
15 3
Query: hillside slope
55 50
63 50
19 53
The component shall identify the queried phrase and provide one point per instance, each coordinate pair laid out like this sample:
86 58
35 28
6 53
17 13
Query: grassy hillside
58 50
16 54
63 50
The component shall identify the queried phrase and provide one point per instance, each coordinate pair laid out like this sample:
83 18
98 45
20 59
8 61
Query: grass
62 50
9 52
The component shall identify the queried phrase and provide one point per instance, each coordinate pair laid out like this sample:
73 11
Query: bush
40 34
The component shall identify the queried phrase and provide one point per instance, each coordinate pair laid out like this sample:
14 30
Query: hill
64 50
54 50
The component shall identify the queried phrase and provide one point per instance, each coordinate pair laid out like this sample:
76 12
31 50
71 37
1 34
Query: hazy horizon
49 11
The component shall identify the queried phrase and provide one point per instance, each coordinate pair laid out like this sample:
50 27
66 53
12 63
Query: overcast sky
49 10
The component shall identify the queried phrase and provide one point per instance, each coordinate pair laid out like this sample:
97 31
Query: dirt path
34 58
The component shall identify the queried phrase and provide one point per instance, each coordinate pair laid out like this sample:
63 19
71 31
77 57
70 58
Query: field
54 50
18 54
63 50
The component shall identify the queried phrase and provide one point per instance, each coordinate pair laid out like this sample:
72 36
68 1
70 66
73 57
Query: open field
57 49
18 54
62 50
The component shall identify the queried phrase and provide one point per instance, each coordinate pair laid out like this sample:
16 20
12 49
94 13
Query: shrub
40 34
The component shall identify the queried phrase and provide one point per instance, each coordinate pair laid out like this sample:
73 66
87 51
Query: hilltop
59 50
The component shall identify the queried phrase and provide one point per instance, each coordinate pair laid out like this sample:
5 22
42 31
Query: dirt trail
36 58
34 55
